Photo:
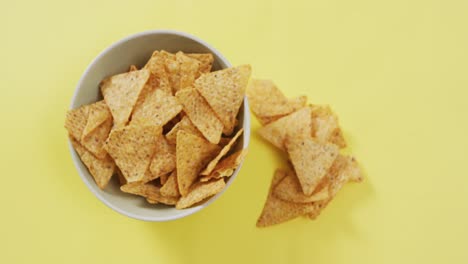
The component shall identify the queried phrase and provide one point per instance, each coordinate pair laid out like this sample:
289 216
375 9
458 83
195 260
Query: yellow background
394 71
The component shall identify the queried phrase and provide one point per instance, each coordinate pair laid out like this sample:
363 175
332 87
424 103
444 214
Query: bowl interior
116 59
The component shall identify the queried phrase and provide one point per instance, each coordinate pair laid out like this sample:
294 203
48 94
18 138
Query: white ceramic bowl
137 49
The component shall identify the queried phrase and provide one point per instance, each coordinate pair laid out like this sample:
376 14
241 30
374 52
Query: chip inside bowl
159 128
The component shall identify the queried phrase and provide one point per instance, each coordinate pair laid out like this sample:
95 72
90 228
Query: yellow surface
394 71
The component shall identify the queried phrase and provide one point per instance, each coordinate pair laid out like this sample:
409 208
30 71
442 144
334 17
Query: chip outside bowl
137 49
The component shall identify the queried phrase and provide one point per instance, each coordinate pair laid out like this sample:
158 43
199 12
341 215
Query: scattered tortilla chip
201 115
221 154
227 166
224 91
157 109
184 124
170 188
311 160
156 65
132 149
164 159
95 141
182 70
192 154
101 169
354 171
163 178
290 190
132 68
205 59
75 121
150 191
277 211
325 126
98 113
297 124
199 192
121 93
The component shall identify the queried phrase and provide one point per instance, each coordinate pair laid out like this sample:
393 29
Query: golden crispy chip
75 121
192 154
227 166
182 70
184 124
289 189
95 141
325 126
353 170
170 188
277 211
311 160
224 91
201 115
205 59
150 191
132 68
100 169
164 160
98 113
132 148
268 103
199 192
163 178
156 65
157 109
297 124
221 154
121 93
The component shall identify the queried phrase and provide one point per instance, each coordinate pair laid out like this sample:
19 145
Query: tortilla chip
156 65
201 115
75 121
290 190
121 93
101 169
98 114
297 124
95 141
170 188
192 155
150 191
132 148
184 124
325 126
277 211
205 59
311 160
354 171
163 178
164 160
182 70
157 109
132 68
224 91
221 154
199 192
227 166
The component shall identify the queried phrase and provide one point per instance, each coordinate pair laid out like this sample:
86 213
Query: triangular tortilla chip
221 154
170 187
184 124
224 91
227 166
290 190
95 141
199 192
157 66
98 114
325 126
277 211
121 93
75 121
311 160
205 59
164 159
101 169
132 148
150 191
192 154
297 124
201 114
157 109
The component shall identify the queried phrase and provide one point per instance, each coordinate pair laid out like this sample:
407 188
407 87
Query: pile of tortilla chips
312 138
167 131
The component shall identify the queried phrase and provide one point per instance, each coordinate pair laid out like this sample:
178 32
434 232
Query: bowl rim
246 126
